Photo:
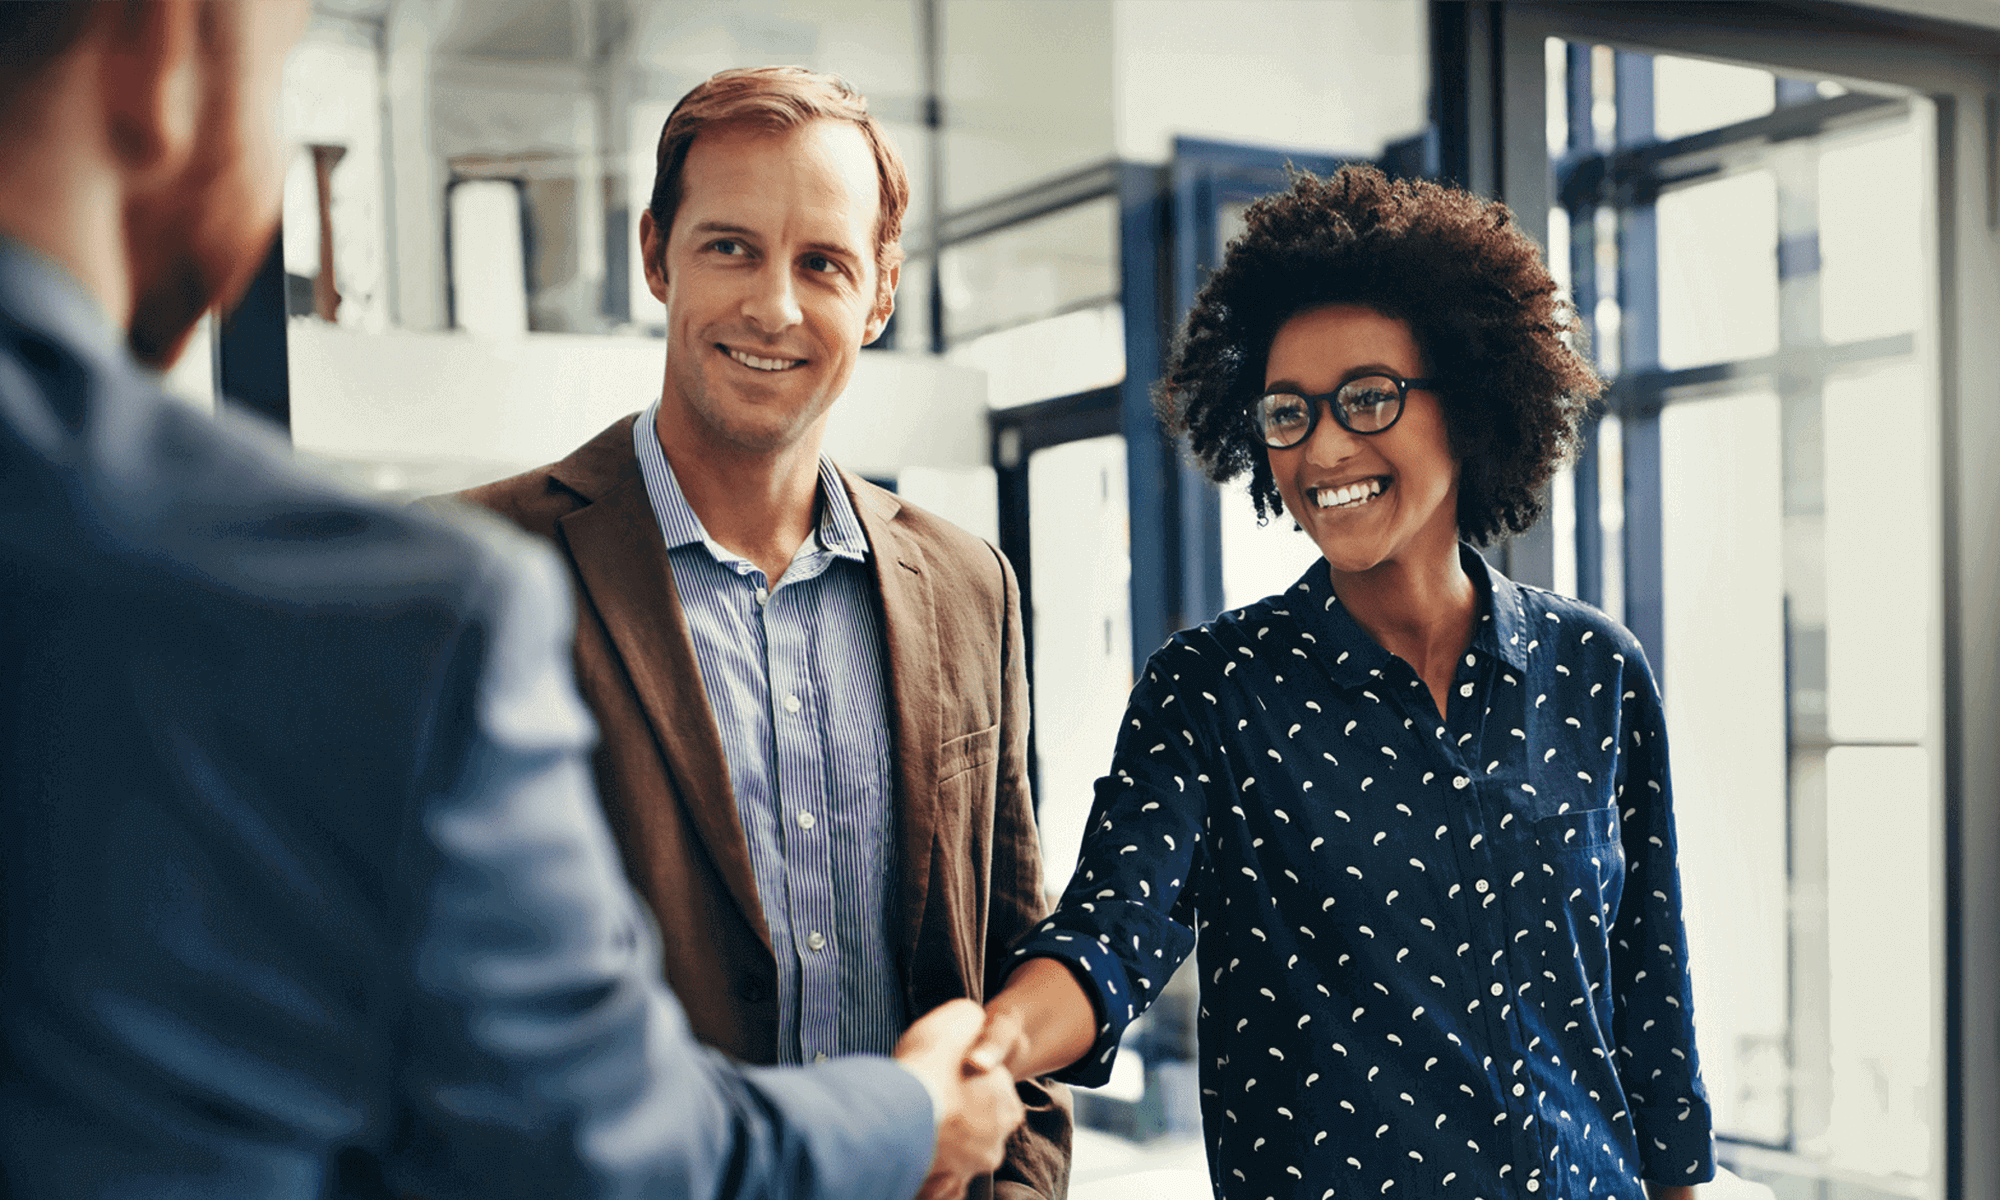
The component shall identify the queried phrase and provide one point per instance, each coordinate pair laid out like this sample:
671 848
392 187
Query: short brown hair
780 98
33 35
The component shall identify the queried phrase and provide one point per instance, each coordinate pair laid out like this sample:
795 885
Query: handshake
952 1052
969 1059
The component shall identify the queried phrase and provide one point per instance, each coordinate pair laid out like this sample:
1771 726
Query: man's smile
756 363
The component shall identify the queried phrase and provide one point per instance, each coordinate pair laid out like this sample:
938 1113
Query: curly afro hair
1456 269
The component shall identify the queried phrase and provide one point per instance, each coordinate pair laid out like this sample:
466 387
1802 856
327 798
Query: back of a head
33 35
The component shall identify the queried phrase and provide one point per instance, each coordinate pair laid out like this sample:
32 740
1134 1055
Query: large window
1755 250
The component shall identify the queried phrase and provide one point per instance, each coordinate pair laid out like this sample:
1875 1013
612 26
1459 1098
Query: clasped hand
976 1105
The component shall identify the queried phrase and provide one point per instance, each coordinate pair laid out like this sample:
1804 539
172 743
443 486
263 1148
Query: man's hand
976 1108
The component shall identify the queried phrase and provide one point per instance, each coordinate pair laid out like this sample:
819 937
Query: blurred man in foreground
306 893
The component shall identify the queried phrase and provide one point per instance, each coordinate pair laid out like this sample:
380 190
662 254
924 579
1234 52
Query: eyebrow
831 249
1352 374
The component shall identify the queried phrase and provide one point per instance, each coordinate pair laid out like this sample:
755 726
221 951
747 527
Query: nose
772 304
1331 442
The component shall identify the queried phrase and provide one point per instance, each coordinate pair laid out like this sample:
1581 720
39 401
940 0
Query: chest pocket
966 753
1578 829
1583 860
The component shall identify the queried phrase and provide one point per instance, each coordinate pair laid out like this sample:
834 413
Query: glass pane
1881 917
1562 528
1040 268
488 267
1872 235
1258 561
1881 480
1029 90
1080 539
1719 271
1611 512
1725 692
1690 95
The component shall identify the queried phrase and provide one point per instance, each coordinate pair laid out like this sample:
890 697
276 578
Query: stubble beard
735 426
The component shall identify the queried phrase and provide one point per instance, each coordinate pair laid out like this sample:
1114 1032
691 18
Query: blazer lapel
619 554
909 631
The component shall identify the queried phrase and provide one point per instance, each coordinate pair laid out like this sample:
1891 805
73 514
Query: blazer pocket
963 753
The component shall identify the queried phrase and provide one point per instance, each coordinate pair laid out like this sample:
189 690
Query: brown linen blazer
969 862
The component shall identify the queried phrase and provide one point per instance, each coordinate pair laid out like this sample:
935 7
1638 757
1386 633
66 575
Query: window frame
1955 68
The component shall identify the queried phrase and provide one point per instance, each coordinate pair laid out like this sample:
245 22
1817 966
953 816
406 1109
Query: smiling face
769 278
1370 500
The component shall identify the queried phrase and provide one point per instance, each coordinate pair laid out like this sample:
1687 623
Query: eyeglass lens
1369 404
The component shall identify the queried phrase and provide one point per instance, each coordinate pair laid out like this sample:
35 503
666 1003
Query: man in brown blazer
812 696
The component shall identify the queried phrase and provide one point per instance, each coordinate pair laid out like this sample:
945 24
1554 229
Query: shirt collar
838 530
1355 659
1503 634
38 294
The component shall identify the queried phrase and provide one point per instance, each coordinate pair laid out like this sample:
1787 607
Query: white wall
333 96
1323 75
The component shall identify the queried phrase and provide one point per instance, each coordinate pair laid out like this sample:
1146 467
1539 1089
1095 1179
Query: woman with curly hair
1418 814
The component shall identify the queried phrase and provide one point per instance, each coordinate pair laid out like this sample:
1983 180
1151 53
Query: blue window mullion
1639 350
1584 292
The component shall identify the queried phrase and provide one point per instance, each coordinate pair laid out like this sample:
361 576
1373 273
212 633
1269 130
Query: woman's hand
1041 1021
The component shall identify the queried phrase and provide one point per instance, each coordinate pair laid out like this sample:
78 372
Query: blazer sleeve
1037 1162
545 1056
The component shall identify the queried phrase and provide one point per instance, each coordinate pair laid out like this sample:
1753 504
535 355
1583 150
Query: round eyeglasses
1366 404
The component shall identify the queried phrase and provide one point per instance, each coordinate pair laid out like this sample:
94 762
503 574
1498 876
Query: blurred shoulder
216 516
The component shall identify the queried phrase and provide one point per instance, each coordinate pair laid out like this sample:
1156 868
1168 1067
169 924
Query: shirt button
1534 1185
1518 1089
1469 660
817 941
1460 782
1465 689
1499 989
821 1057
763 597
1481 886
807 820
792 704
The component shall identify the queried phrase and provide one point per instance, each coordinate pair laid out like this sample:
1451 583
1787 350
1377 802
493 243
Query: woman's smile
1364 498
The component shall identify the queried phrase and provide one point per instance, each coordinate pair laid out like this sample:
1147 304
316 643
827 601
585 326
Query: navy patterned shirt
1436 958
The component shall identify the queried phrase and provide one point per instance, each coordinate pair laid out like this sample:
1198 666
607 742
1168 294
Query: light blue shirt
794 672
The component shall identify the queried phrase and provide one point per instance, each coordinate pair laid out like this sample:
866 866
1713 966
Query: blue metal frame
1584 293
1639 350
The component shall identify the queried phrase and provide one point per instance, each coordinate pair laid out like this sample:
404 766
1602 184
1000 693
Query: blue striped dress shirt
795 675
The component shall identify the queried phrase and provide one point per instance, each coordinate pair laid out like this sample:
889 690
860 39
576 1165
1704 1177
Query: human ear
150 75
653 255
885 304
